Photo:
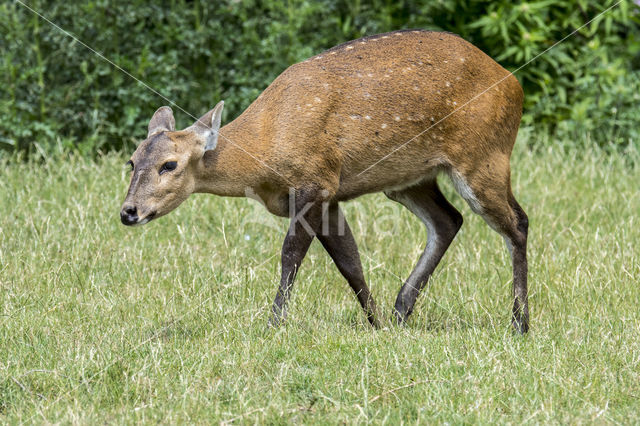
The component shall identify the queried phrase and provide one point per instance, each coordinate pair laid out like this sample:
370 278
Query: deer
385 113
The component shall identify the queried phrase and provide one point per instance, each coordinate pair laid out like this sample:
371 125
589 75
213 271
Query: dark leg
337 239
442 221
518 242
308 216
510 221
491 198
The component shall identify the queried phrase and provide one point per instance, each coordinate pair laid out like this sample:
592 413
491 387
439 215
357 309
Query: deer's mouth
146 219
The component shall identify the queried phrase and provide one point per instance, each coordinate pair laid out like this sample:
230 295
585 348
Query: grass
167 322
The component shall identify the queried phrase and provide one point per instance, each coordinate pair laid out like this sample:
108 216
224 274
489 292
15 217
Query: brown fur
311 124
383 113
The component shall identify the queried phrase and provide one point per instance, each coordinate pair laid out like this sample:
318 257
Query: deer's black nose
129 215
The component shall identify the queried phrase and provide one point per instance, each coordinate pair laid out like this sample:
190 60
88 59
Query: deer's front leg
306 218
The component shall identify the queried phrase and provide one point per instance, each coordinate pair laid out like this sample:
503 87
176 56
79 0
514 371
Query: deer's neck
234 165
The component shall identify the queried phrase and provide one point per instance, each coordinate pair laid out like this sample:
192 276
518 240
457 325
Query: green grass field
167 322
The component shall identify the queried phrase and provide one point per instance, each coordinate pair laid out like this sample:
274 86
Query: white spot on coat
349 47
384 125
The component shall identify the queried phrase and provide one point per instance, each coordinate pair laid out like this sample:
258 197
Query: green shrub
55 91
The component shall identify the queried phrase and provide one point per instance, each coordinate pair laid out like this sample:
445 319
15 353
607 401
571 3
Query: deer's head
164 165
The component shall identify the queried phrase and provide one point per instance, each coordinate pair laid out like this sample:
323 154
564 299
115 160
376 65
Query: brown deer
386 113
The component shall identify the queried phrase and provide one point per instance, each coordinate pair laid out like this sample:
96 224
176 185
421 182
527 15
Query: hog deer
386 113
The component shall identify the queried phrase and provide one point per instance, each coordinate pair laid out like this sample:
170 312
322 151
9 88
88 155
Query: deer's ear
208 126
162 121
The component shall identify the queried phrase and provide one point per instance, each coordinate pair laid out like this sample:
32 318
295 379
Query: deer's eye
168 166
130 163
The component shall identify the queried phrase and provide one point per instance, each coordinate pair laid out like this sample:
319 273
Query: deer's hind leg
442 221
488 193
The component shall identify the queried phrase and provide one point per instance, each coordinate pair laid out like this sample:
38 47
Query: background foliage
53 91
